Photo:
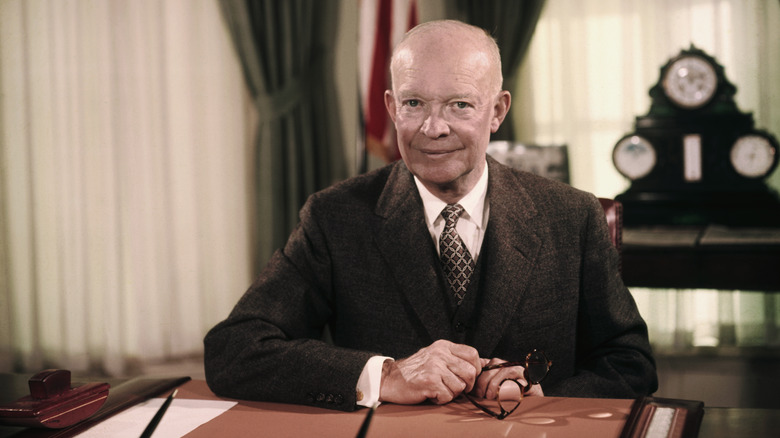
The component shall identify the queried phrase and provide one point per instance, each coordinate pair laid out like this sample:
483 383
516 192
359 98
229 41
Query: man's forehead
414 82
466 60
468 74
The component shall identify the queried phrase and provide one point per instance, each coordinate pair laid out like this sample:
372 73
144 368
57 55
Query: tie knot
451 213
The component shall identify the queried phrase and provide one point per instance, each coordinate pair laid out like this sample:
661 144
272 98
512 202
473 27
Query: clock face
634 157
753 156
690 82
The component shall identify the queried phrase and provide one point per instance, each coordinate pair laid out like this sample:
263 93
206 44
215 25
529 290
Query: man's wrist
370 381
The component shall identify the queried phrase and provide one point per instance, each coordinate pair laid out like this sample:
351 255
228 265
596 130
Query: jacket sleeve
270 347
613 354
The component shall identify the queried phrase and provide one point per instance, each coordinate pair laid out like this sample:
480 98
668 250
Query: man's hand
488 382
439 372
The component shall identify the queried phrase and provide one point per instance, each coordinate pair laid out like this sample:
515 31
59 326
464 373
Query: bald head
450 39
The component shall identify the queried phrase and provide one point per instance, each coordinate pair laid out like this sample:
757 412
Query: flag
382 25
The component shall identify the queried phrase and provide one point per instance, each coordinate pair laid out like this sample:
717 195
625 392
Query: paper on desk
182 417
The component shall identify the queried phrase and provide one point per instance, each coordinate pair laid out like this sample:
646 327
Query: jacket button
460 327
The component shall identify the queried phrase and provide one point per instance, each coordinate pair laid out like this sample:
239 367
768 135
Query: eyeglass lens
537 367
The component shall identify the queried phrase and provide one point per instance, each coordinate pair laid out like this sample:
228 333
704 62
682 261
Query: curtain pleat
286 52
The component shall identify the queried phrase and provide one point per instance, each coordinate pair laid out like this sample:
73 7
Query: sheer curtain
590 66
124 227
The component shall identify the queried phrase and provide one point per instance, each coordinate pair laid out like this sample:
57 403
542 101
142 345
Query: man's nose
435 126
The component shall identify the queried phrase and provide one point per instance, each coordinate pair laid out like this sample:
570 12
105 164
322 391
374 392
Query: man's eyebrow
409 94
415 94
462 97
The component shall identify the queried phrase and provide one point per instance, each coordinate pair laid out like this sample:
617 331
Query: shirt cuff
368 385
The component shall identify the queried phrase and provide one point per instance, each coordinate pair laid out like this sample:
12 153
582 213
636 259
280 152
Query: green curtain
286 50
512 24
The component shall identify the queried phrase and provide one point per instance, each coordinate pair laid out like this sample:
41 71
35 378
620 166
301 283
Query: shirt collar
473 203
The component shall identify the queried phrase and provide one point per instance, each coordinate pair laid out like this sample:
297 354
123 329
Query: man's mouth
432 151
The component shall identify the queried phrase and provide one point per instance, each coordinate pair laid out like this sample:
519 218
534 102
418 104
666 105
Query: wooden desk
548 417
702 257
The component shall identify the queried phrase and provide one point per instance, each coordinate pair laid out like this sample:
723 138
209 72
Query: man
366 261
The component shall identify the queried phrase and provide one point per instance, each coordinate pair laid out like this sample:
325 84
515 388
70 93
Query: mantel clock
695 158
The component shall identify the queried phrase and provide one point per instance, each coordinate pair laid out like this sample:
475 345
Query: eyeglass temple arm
516 364
503 365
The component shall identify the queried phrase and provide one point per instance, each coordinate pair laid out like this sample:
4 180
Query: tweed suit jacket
362 263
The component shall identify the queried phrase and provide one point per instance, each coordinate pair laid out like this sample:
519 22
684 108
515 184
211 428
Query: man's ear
390 104
500 109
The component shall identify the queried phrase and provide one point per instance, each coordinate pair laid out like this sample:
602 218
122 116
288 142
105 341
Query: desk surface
547 417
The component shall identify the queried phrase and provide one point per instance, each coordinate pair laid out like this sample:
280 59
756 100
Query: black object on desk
147 433
653 417
367 421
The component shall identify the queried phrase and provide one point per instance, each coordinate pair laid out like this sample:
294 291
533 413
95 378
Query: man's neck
453 196
454 191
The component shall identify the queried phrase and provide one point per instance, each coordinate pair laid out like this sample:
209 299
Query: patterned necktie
456 260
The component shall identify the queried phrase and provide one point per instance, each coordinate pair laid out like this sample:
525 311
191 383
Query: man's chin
440 177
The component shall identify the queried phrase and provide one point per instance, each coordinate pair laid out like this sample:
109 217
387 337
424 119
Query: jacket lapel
511 246
403 239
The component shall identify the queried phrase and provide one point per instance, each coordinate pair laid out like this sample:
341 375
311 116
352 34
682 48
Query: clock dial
753 156
690 82
634 157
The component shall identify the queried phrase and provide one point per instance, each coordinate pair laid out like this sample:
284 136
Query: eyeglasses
510 392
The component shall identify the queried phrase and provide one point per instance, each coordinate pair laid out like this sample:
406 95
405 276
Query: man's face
445 104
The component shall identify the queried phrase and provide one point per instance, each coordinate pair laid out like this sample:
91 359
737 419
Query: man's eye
461 105
413 103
